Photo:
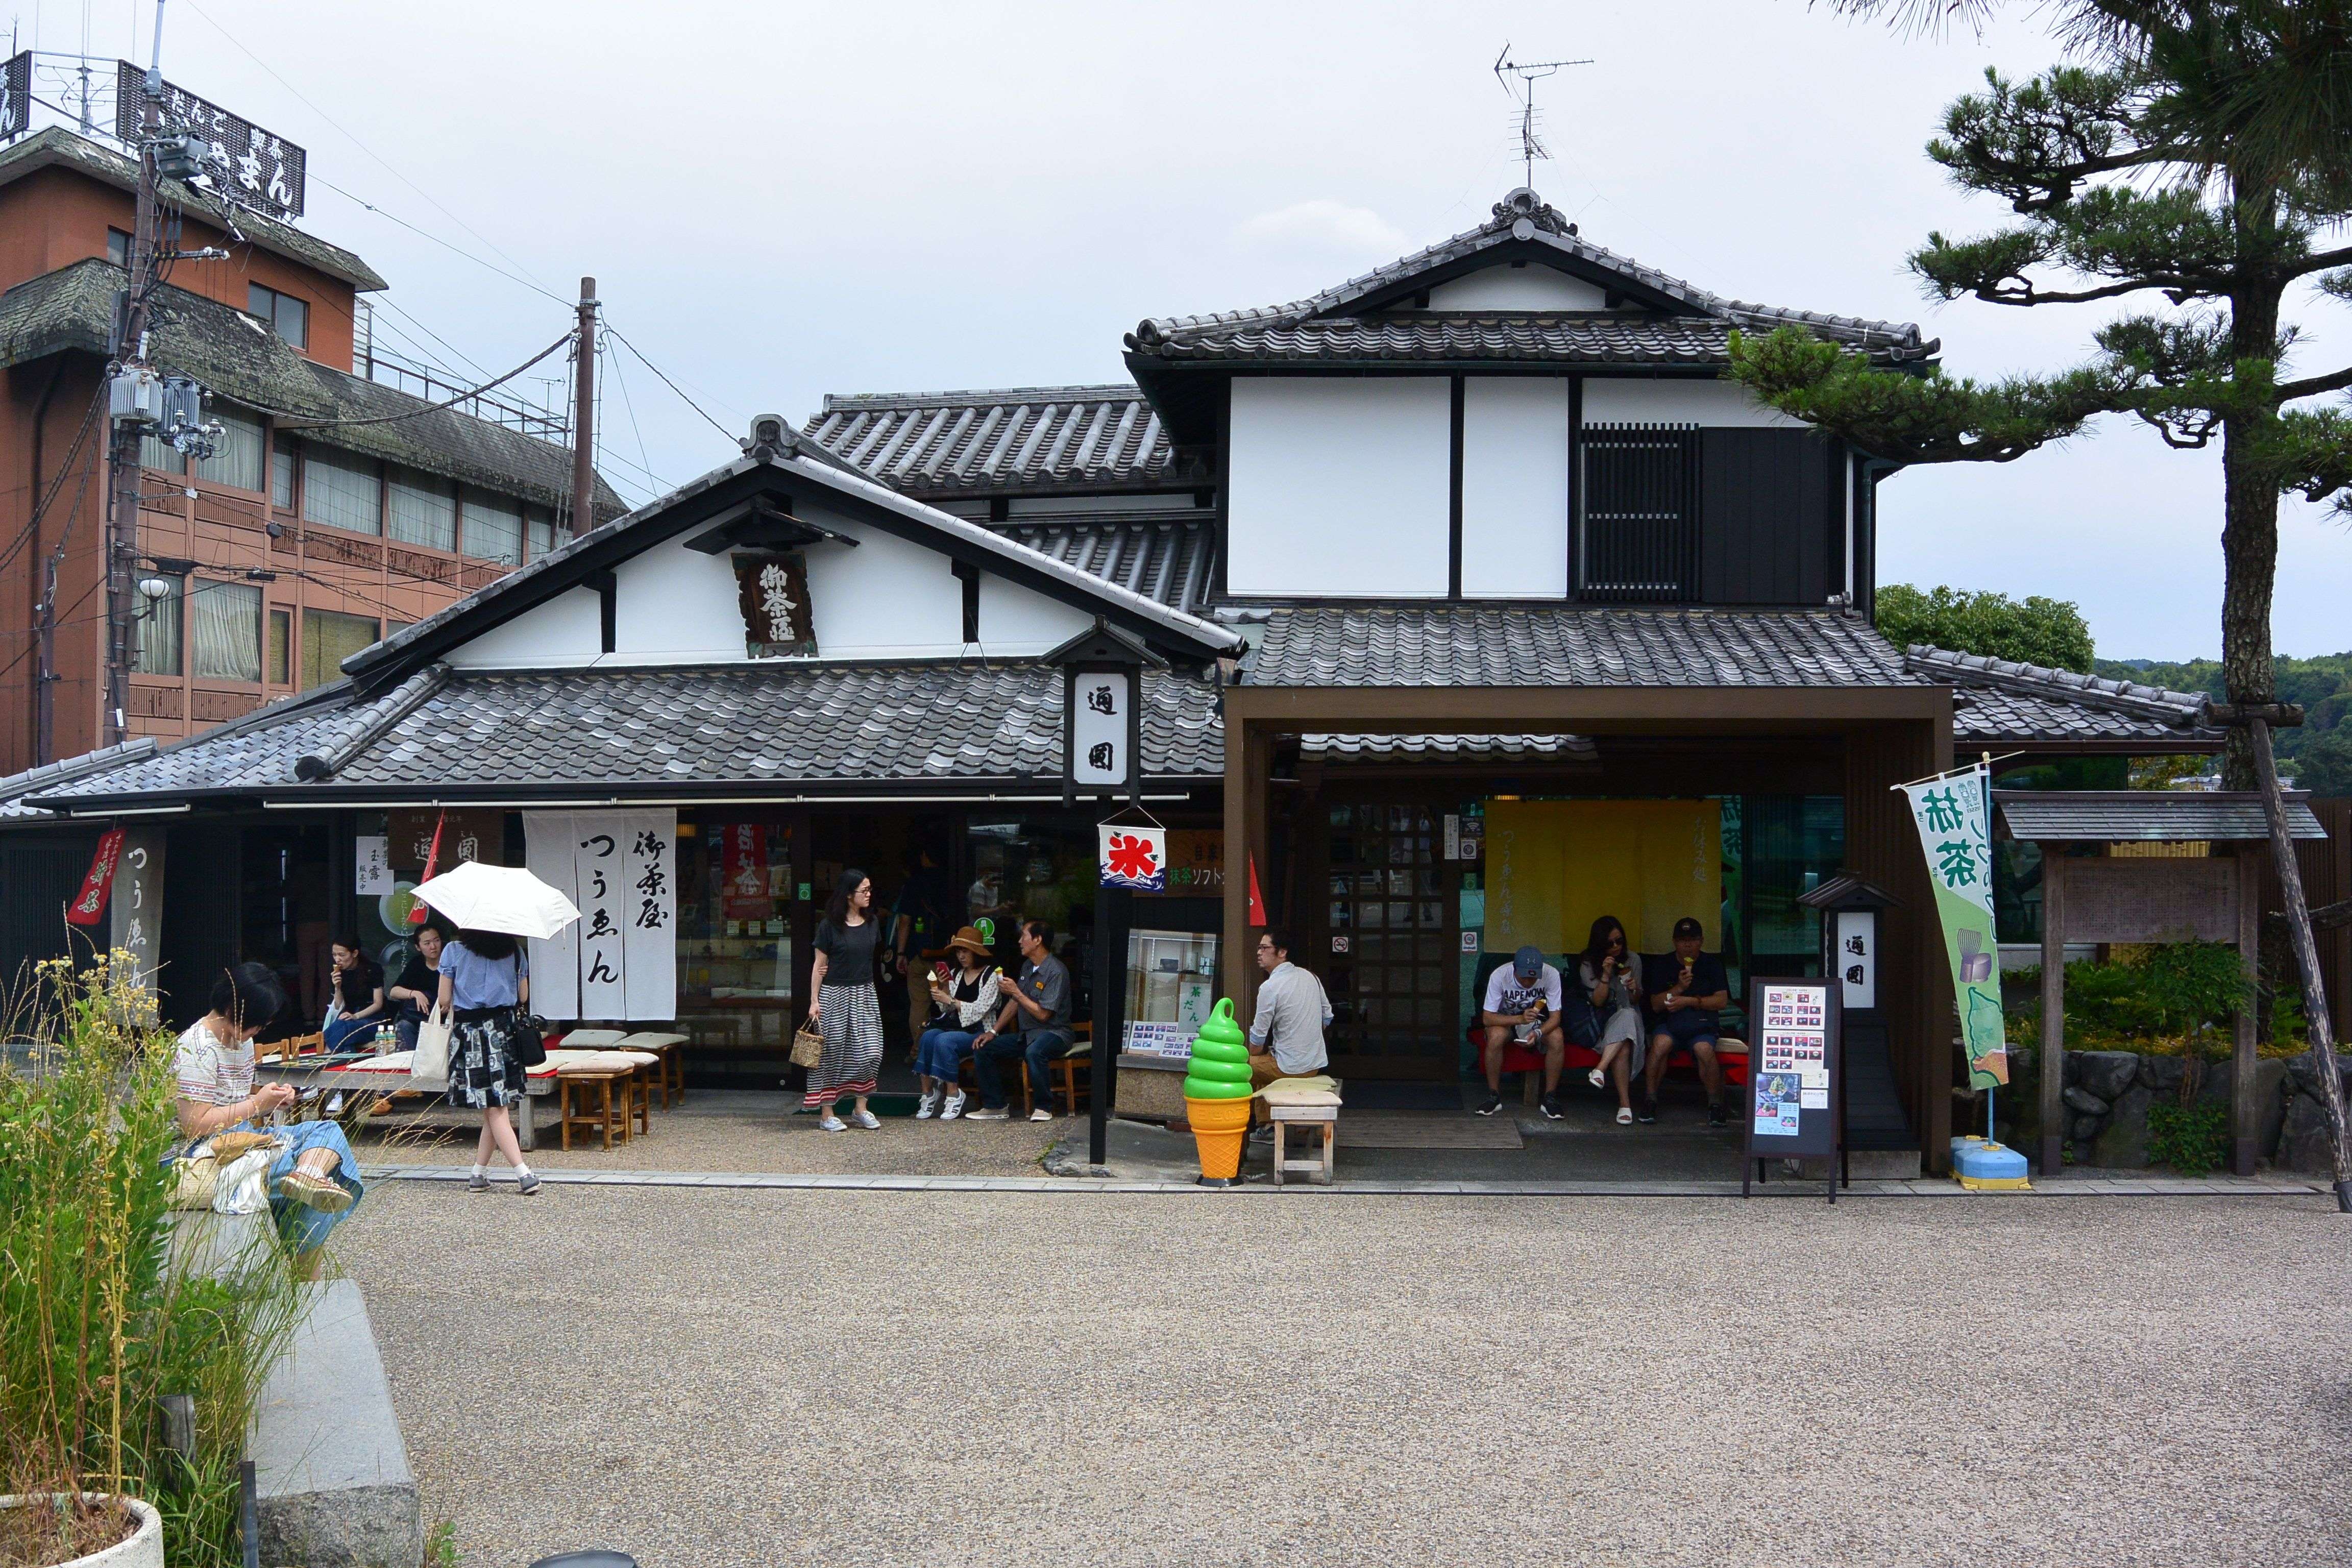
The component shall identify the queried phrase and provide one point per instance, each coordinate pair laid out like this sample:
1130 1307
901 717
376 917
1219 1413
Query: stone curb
2067 1187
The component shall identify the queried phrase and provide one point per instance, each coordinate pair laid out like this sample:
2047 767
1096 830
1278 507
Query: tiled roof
1173 561
56 145
1520 219
2147 816
820 726
239 358
1033 440
1999 700
16 786
1588 338
1463 644
1447 749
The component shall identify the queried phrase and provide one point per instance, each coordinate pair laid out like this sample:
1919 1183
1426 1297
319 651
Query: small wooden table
1286 1116
605 1115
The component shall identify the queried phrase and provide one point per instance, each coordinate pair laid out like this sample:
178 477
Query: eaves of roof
56 147
734 486
1032 440
72 310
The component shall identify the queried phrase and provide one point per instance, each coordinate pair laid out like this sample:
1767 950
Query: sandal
1624 1116
1596 1079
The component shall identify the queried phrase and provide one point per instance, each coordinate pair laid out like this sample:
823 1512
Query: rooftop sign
250 165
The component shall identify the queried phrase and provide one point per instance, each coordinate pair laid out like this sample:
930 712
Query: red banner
745 894
91 903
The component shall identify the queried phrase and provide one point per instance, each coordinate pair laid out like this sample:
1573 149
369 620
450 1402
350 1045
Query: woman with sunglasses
1611 973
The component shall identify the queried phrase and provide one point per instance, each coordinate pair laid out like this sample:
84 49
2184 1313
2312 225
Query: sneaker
528 1183
1715 1115
478 1183
1645 1110
866 1118
1597 1078
335 1103
1552 1108
953 1108
1041 1114
927 1107
1263 1134
1494 1103
832 1124
988 1113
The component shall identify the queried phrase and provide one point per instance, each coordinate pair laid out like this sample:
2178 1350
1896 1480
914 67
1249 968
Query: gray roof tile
2147 816
1033 440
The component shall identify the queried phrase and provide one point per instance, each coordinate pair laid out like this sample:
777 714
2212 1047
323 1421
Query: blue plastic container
1983 1167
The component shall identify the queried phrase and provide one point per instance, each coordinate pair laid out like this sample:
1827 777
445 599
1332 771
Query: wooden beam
2052 1061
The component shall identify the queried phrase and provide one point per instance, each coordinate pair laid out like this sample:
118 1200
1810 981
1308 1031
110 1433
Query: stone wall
2108 1093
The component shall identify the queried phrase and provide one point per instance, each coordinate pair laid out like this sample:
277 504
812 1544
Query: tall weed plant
95 1329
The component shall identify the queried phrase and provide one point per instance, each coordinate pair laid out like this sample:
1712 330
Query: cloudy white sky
783 200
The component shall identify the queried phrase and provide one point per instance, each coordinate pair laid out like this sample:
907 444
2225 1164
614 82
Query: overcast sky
779 201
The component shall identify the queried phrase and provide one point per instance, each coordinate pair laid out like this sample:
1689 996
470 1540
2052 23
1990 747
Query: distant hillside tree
2318 754
2031 630
2191 160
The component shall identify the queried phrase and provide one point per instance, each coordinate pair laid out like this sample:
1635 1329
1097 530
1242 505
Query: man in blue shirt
1040 1003
1684 1014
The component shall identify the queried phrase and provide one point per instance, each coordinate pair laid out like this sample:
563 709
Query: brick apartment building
262 567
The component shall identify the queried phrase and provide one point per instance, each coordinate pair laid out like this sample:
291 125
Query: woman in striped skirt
845 1011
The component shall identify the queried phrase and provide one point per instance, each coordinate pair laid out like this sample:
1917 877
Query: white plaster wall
1340 486
1515 487
887 598
566 630
1502 287
1631 400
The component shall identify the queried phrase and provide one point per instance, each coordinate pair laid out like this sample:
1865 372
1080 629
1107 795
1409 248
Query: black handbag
529 1039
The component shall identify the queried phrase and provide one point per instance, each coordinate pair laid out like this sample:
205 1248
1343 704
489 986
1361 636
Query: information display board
1793 1067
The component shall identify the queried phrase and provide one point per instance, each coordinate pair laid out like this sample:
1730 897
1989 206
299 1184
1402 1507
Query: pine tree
2191 157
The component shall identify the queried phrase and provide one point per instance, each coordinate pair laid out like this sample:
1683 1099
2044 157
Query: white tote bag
430 1068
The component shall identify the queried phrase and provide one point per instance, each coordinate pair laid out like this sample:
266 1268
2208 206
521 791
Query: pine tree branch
2313 386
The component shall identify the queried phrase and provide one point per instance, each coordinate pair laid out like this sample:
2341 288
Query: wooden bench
668 1075
603 1117
1311 1116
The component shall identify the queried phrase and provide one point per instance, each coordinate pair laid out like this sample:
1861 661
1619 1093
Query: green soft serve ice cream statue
1217 1094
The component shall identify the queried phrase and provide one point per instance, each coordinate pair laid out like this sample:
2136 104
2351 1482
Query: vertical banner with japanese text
554 961
135 914
619 959
1956 837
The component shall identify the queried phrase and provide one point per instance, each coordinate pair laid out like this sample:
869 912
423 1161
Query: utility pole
583 415
123 450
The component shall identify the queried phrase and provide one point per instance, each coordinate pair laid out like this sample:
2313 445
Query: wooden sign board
2147 900
1793 1067
470 833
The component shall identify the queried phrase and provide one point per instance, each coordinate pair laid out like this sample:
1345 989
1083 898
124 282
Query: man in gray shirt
1285 1033
1040 1003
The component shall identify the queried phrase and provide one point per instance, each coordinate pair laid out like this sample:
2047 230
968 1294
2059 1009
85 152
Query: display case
735 950
1172 979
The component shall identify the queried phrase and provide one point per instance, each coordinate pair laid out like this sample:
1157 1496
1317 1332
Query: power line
645 465
304 422
616 335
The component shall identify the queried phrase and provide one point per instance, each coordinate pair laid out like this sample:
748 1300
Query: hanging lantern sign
1132 857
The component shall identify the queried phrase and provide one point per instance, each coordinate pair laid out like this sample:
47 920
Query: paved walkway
715 1374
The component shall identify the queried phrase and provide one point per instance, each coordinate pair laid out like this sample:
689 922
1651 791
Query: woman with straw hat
960 1004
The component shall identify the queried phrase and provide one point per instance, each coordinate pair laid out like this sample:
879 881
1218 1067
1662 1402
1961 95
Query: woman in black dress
845 1011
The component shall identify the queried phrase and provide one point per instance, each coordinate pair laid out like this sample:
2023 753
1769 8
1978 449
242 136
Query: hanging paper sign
373 853
1098 727
1134 857
91 903
1951 817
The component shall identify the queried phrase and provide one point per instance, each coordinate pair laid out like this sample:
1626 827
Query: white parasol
499 898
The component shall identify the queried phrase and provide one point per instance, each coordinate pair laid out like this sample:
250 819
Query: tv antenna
1528 72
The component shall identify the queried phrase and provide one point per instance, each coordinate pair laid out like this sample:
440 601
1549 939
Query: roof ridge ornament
1527 212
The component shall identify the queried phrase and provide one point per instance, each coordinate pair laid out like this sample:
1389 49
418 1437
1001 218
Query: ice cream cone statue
1217 1093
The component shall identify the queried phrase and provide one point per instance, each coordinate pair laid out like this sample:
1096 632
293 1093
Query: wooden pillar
2245 1116
1244 829
1882 844
2052 1059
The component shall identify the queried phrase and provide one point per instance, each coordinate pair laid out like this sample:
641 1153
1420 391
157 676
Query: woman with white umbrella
486 991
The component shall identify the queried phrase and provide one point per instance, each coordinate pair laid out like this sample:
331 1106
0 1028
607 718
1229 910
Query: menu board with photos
1792 1104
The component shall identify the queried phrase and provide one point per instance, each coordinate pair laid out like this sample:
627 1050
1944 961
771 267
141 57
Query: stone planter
143 1549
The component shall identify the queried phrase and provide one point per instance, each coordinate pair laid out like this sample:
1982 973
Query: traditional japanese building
1476 604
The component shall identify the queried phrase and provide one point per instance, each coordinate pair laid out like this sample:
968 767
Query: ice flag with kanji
1132 857
1954 834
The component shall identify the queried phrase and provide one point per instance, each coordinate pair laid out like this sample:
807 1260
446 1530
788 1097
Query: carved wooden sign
774 593
2152 900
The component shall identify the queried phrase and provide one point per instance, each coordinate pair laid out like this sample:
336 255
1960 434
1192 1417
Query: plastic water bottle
386 1040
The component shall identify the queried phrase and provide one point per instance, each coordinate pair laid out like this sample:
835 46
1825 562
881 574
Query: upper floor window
155 625
424 510
538 524
288 316
118 247
224 631
342 492
282 472
493 528
1639 539
236 456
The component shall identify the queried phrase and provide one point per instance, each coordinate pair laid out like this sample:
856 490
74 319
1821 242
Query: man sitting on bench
1522 1003
1684 1014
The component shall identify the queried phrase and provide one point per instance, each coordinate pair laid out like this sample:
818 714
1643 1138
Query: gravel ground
1252 1377
743 1132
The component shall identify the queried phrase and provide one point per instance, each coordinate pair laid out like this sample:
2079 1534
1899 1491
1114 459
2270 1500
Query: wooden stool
1286 1116
668 1078
643 1085
601 1117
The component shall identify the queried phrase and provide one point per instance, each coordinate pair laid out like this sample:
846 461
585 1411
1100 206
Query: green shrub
2194 1139
93 1331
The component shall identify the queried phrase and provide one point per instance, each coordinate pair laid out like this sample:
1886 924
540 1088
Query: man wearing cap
1684 1014
1522 1003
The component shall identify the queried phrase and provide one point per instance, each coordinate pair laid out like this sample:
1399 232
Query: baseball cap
1528 962
1688 926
